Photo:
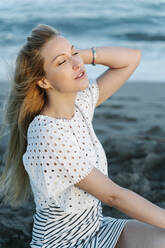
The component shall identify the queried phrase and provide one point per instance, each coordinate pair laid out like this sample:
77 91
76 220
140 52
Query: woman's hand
86 55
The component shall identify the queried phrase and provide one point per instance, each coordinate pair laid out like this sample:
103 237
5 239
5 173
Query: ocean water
134 24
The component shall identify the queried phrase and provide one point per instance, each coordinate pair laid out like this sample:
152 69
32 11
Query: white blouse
62 152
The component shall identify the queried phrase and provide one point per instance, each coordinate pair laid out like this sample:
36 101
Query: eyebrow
61 54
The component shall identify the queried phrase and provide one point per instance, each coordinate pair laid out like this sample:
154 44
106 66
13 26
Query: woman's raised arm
121 61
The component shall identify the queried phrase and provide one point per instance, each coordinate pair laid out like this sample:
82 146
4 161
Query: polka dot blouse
61 152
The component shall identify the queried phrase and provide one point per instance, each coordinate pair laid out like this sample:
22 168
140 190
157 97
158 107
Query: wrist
94 55
86 55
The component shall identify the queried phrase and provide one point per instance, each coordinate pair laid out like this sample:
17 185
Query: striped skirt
52 228
107 236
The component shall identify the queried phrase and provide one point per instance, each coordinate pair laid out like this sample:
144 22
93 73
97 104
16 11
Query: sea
134 24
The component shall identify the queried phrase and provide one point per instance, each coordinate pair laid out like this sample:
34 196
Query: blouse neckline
61 119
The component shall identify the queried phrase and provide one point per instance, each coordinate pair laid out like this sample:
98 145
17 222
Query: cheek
61 76
52 77
58 78
52 74
65 72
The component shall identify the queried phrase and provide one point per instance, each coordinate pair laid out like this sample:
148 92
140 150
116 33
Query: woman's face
61 70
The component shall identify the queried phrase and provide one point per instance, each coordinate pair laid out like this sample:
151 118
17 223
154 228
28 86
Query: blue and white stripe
53 228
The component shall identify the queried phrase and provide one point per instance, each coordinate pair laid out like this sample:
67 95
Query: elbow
111 201
138 54
114 199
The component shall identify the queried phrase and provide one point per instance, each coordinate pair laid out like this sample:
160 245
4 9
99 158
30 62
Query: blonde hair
25 101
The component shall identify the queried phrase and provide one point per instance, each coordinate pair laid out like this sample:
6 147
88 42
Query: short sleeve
89 97
66 163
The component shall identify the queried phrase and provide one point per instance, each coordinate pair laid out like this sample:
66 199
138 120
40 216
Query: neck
60 109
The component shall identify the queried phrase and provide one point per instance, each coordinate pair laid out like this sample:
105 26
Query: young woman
55 155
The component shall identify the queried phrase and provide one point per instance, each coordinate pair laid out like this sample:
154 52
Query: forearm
139 208
114 57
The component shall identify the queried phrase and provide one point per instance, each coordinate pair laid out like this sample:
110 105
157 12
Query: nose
76 64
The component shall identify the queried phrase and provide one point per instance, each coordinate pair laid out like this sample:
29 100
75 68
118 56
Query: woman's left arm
137 207
122 63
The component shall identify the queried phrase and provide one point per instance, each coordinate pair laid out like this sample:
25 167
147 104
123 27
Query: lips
78 75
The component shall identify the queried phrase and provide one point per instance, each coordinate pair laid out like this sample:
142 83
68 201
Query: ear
43 83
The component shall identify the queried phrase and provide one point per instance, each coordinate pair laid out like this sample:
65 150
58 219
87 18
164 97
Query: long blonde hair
25 101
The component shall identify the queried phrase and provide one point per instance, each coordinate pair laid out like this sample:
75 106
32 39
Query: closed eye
75 53
65 60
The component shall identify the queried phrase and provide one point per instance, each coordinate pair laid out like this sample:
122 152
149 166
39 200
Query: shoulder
45 127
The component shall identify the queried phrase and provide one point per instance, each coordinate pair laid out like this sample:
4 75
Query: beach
130 124
131 127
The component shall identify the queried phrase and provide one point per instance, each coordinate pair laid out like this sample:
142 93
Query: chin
83 84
